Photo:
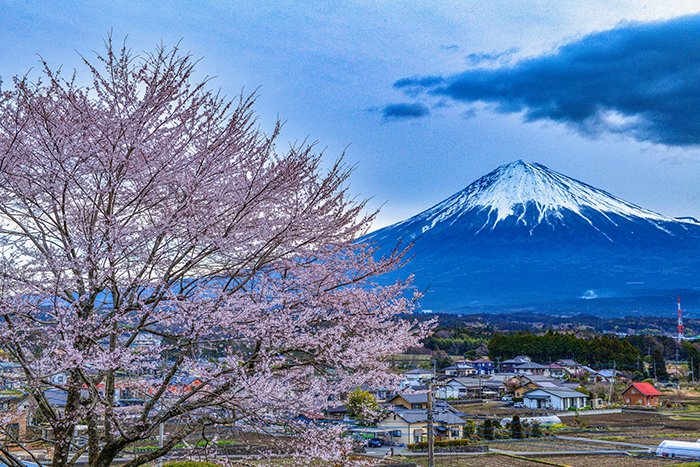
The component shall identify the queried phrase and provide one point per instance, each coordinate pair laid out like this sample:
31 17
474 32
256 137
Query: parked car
507 398
519 405
374 443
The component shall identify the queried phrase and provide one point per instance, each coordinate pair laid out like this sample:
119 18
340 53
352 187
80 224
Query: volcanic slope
527 237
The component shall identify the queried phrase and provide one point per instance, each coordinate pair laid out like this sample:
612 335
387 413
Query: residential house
555 370
529 368
505 378
406 426
57 398
469 388
381 394
460 369
15 409
644 394
528 383
507 366
483 366
409 400
508 381
10 375
147 341
572 367
416 377
604 376
338 412
548 379
527 386
179 385
554 399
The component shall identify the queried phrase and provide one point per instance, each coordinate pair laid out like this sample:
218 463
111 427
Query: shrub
469 429
535 430
449 445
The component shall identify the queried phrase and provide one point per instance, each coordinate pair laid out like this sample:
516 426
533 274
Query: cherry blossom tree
154 240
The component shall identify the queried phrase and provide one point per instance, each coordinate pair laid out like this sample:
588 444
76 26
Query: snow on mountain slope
531 185
524 234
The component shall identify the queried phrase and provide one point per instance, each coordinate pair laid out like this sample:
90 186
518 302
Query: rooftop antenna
680 321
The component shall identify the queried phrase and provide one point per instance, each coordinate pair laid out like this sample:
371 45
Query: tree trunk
63 430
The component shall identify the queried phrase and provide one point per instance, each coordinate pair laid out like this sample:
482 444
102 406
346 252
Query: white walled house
469 387
416 377
554 399
531 368
460 369
403 426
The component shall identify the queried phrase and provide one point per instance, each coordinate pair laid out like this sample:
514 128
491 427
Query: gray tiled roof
559 392
418 371
411 398
530 365
421 415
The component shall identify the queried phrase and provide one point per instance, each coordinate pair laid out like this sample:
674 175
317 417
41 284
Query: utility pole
612 382
431 428
691 370
481 393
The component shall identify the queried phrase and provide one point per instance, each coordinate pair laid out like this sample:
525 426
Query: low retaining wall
571 413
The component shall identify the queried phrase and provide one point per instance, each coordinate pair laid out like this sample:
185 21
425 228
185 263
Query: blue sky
426 98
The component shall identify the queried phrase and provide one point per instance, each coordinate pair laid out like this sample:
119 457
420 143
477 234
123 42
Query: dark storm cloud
403 111
476 58
639 79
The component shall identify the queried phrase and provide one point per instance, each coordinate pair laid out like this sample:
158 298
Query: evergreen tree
516 428
659 365
441 359
487 429
693 356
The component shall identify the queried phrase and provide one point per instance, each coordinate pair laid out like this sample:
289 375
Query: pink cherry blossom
145 207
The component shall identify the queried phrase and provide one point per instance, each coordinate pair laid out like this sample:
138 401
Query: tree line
549 347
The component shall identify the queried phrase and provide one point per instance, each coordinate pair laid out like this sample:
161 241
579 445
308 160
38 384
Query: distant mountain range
525 237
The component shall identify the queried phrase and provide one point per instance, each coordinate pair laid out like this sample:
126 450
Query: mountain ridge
524 234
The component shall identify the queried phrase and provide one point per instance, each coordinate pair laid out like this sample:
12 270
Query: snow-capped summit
531 194
526 234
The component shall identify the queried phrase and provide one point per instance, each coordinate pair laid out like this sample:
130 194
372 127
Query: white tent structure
679 449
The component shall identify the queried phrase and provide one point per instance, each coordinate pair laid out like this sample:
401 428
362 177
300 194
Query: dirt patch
608 461
496 460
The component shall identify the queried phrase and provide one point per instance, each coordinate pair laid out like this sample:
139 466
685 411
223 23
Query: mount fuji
525 237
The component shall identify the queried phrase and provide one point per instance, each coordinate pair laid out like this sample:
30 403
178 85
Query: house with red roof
644 394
